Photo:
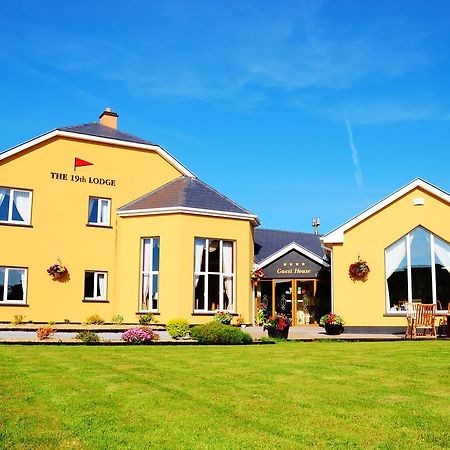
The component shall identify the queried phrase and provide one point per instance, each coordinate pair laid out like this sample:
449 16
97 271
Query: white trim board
186 210
286 249
87 137
337 235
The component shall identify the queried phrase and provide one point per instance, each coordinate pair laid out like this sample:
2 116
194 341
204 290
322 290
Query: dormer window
15 206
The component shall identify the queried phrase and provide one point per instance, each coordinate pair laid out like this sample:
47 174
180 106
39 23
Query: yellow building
404 240
136 230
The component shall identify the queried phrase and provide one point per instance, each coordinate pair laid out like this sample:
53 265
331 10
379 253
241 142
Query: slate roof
267 242
97 129
185 192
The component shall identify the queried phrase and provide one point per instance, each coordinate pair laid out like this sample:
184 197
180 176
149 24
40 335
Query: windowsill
211 313
14 304
94 225
18 224
143 313
94 300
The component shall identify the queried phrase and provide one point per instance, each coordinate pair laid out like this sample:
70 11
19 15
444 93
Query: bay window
417 271
15 206
13 283
149 275
214 275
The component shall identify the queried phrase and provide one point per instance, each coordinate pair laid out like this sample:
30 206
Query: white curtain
394 257
3 193
442 251
22 202
147 250
199 247
145 292
101 280
23 281
104 213
227 268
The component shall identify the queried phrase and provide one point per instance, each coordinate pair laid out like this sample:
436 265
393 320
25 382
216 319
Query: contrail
355 157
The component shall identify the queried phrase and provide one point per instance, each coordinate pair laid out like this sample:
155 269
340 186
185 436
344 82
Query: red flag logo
81 162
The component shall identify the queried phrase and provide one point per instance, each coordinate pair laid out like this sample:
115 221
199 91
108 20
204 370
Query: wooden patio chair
410 319
425 316
443 322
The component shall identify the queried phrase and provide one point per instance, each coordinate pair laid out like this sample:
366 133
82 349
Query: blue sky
293 109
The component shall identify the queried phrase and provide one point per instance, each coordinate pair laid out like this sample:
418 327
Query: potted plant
358 270
223 317
277 326
333 323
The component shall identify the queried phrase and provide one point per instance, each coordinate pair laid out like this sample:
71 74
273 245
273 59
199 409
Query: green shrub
17 319
52 322
88 337
216 333
66 321
146 319
178 328
95 319
117 319
267 340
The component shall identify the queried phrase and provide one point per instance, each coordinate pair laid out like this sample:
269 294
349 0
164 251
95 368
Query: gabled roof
97 129
95 132
272 244
186 195
337 235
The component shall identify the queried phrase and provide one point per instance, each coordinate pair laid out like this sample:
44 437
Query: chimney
109 118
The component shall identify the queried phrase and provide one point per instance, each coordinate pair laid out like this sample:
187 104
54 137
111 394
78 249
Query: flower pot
332 329
280 334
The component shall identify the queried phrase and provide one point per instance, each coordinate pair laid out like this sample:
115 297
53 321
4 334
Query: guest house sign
292 265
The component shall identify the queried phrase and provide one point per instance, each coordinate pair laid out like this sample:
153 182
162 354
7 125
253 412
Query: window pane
227 257
421 266
228 293
442 260
397 276
199 292
213 292
146 255
21 206
155 267
145 296
2 283
89 285
155 292
15 289
214 256
4 204
93 210
199 256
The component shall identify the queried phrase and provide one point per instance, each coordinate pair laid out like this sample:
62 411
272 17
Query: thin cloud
355 157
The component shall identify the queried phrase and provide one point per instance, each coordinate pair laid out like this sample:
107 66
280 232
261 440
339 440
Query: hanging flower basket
358 269
57 270
256 275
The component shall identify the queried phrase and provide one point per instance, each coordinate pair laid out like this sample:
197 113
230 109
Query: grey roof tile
267 242
97 129
185 192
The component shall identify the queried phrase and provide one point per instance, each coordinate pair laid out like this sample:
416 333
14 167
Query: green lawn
285 396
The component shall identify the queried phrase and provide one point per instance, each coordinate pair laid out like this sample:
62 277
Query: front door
283 297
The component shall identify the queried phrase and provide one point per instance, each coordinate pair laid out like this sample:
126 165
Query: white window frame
150 273
407 238
10 206
4 300
221 274
99 203
96 276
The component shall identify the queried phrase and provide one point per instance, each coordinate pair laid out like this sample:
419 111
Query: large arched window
417 270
